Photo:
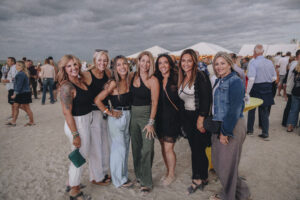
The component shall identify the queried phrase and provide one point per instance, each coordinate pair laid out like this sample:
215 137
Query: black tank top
141 96
122 100
97 86
82 103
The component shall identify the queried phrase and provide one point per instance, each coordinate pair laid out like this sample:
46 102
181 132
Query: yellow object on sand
208 154
254 102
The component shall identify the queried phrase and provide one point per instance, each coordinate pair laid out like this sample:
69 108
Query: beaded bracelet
151 122
75 134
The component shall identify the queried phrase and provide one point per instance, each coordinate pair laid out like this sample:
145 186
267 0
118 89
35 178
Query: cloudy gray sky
39 28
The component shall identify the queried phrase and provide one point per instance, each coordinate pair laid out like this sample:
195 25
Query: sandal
68 188
127 184
145 190
168 180
29 124
215 197
80 196
106 181
200 186
10 124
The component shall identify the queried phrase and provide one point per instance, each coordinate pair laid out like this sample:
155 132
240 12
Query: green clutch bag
76 158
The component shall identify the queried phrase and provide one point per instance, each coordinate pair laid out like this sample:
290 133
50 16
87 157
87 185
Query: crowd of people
111 104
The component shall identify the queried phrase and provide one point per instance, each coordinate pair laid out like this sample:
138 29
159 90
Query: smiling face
122 67
101 62
187 63
164 65
222 67
19 66
72 68
144 63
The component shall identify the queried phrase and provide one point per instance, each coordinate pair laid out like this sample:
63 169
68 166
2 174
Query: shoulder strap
170 100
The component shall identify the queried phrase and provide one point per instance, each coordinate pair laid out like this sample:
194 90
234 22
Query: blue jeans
294 111
264 112
120 139
48 82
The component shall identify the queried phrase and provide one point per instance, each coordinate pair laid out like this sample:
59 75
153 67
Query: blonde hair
297 68
97 54
62 75
152 67
24 69
226 57
181 73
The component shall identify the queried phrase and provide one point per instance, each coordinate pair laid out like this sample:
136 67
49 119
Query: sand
34 163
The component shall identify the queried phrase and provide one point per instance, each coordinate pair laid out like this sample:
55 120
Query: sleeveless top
82 103
141 96
188 96
122 100
97 86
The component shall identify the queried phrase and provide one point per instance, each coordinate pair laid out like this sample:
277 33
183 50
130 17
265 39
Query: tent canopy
155 50
203 48
269 50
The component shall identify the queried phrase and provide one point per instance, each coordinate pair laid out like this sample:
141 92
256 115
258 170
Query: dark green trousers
142 148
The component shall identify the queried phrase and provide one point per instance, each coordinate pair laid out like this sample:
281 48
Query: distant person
51 61
22 94
261 74
236 68
48 77
277 58
4 71
290 89
24 59
283 64
245 62
32 77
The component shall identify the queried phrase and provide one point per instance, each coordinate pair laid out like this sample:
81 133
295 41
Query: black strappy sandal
80 194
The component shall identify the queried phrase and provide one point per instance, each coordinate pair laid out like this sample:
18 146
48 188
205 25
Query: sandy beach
34 163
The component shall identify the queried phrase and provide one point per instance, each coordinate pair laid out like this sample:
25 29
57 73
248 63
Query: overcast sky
39 28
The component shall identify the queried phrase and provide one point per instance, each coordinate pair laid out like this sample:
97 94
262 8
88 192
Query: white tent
247 49
203 48
155 50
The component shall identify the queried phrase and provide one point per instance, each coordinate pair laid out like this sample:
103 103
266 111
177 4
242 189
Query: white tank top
188 96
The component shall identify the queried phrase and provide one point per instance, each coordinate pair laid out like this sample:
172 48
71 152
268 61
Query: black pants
198 142
33 84
287 110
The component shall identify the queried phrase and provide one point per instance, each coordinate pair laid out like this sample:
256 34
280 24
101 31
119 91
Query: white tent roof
203 48
155 50
247 49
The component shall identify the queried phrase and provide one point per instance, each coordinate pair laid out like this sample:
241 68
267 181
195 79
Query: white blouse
188 96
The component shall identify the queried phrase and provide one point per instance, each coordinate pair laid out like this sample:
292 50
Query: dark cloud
38 28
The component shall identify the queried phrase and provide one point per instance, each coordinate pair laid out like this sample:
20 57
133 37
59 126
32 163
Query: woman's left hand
13 96
200 126
224 139
150 132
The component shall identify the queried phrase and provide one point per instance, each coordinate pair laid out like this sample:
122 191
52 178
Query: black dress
167 116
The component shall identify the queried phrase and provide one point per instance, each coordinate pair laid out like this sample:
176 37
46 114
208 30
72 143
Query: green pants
142 148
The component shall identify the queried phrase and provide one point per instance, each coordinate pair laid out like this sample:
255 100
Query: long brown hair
115 73
181 73
62 75
24 68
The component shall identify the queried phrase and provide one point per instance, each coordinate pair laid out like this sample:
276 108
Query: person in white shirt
289 87
283 63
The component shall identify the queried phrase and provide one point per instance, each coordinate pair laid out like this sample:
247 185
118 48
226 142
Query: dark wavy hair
181 73
173 69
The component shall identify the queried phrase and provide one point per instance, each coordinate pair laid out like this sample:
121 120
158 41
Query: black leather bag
212 126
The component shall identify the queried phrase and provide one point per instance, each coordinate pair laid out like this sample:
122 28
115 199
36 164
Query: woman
195 90
228 105
167 117
22 94
95 79
145 92
76 101
118 93
295 103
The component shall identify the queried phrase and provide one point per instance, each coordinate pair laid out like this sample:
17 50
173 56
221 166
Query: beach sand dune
34 163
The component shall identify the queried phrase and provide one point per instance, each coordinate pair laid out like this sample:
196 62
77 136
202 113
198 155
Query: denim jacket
229 102
21 84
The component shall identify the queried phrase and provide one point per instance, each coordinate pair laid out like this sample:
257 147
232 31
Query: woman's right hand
77 142
116 114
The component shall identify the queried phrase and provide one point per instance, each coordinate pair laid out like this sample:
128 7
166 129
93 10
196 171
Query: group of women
104 109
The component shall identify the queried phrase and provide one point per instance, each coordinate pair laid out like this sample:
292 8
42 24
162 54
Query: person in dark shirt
32 77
